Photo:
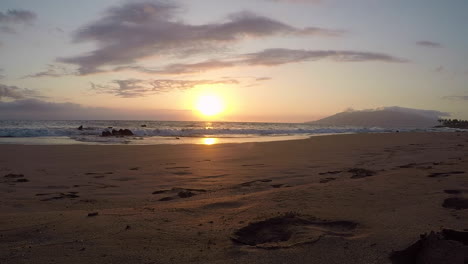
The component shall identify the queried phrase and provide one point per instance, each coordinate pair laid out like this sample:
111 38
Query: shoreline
168 140
188 203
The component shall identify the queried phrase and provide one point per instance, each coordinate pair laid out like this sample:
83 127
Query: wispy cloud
133 31
282 56
53 70
272 57
131 88
11 18
429 44
14 92
457 97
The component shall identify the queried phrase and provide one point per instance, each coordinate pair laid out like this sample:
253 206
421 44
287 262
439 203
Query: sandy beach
330 199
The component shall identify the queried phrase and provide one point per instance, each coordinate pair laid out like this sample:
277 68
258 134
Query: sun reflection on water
209 141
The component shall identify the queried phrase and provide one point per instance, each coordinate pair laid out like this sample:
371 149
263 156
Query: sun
209 105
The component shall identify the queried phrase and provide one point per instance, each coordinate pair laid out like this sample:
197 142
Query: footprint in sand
12 178
180 193
250 183
444 174
456 191
180 173
98 173
330 172
358 173
290 230
457 203
58 196
277 185
254 165
325 180
124 179
223 205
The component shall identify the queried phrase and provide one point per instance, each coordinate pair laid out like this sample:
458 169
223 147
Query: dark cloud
457 97
137 30
52 70
13 17
271 57
429 44
138 88
27 109
14 92
181 68
274 57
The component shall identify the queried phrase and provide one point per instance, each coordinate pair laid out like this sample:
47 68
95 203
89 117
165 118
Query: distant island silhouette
387 117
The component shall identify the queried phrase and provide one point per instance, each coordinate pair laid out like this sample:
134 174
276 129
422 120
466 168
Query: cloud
14 17
52 70
27 109
275 57
297 1
271 57
457 97
429 44
14 92
260 79
133 31
131 88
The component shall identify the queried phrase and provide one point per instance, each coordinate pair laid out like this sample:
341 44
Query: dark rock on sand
122 132
117 133
448 246
80 128
93 214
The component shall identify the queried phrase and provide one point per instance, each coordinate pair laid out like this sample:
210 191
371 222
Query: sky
255 60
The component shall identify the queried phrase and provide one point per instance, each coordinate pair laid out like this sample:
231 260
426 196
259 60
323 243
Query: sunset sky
264 60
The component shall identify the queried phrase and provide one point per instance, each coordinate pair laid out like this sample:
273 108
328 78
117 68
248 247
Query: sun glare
209 141
209 105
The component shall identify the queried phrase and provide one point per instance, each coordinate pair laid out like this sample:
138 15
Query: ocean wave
178 132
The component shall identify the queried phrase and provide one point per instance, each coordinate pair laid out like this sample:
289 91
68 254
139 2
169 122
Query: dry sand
330 199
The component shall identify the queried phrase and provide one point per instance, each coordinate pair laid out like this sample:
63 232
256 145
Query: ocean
164 132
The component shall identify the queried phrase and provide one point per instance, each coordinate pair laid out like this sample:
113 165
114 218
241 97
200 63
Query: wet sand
330 199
